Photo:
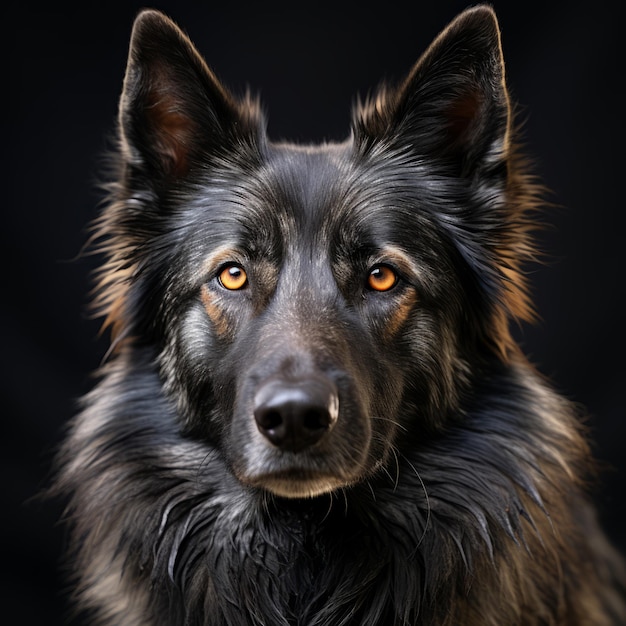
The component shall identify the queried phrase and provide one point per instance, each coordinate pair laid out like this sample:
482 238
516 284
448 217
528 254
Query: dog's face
316 307
313 307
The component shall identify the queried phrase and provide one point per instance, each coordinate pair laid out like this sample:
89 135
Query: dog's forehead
330 185
319 197
306 180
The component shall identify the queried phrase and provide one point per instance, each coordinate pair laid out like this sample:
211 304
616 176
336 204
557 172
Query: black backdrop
65 70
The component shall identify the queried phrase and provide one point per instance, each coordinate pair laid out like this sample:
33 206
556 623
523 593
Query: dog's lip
297 482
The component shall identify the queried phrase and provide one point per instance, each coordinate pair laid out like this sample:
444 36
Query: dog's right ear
173 111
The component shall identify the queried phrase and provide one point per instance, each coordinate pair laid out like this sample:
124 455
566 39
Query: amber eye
233 277
382 278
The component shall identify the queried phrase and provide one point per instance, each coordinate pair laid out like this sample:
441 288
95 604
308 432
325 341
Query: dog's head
312 308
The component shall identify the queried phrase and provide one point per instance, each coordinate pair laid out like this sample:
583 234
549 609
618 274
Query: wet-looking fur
313 412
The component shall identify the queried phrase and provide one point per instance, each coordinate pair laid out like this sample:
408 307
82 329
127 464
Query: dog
313 411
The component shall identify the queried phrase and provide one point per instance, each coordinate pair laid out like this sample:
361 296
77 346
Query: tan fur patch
399 316
215 313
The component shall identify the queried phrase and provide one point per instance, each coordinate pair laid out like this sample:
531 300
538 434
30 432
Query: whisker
369 484
391 421
391 478
345 501
395 453
383 467
330 506
428 508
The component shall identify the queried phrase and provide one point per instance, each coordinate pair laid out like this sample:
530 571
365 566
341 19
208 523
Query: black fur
304 447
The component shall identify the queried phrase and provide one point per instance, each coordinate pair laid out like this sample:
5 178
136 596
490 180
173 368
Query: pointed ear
173 110
454 104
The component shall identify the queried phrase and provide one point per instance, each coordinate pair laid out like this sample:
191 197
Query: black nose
294 415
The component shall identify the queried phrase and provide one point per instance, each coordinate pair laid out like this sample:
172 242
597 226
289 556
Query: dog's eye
233 277
382 278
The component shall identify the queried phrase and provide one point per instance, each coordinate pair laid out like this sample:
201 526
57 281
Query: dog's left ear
453 105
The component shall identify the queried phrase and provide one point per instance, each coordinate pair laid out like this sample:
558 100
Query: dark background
65 66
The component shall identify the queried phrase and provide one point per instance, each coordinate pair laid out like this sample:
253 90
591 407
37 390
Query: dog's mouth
310 472
297 483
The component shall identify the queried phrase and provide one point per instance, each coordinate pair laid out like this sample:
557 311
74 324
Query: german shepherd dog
313 412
